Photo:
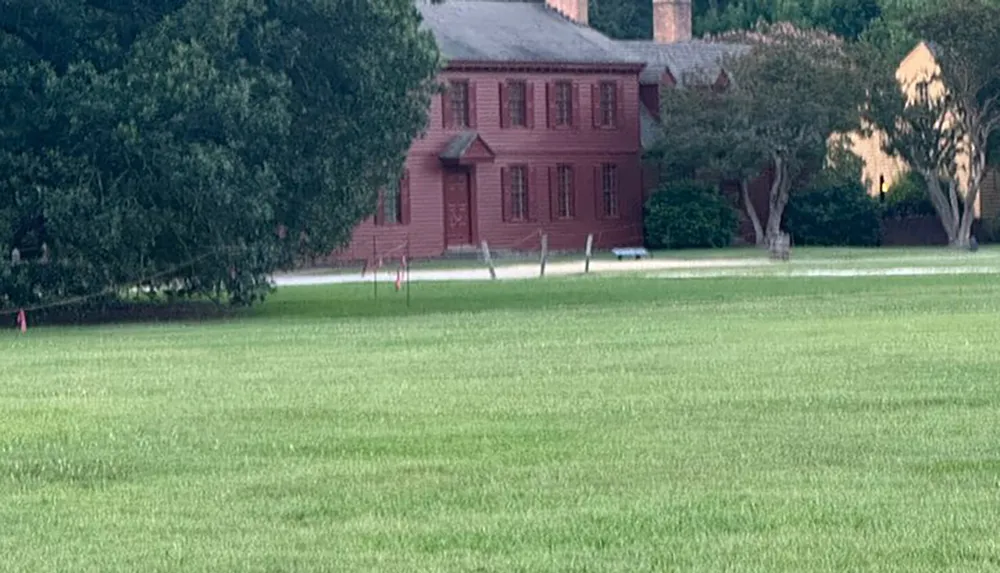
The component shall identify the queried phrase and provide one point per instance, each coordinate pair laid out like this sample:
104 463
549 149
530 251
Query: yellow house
916 75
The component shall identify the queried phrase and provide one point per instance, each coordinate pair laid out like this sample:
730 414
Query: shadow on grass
627 295
125 312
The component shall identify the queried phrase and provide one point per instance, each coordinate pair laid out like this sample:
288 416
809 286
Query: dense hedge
835 213
689 214
907 197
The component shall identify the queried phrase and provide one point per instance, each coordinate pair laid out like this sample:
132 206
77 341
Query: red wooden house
541 130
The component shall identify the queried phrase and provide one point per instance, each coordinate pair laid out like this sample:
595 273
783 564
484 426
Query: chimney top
672 21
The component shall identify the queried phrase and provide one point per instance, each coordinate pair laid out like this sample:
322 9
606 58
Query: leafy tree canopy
947 129
138 136
786 98
848 18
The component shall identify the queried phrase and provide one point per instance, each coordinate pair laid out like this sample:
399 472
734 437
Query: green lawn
589 424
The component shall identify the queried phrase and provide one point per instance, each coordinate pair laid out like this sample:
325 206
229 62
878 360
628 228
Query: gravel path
525 271
652 268
846 272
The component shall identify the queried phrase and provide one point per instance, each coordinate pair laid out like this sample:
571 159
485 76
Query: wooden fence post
545 253
590 251
489 260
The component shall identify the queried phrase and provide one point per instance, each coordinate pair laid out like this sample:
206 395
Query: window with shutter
608 103
517 177
391 206
458 104
517 103
609 190
564 192
563 104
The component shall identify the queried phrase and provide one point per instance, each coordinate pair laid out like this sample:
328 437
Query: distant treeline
878 20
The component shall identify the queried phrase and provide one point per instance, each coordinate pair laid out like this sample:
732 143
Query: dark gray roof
458 145
694 61
498 31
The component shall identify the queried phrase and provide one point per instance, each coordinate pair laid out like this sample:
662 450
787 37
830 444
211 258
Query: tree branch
941 203
758 231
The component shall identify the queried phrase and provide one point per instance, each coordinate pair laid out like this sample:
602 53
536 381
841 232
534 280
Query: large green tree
706 135
954 115
204 143
850 19
786 97
622 19
627 19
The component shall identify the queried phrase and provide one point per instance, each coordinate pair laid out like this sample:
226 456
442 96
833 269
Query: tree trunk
777 200
946 207
959 240
758 230
977 168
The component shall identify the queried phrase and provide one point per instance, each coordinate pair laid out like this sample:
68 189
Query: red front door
457 209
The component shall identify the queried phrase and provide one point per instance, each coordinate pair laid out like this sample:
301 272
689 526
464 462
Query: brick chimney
575 10
672 21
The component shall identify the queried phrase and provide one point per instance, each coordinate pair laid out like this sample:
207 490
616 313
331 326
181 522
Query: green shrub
907 197
834 213
689 214
988 231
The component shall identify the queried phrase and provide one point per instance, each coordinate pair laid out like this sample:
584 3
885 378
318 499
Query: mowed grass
590 424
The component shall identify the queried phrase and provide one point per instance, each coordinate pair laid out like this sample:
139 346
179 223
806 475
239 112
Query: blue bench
630 253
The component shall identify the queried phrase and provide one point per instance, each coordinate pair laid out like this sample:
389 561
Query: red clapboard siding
473 111
598 193
535 189
541 149
529 107
577 106
504 194
620 101
595 104
553 194
550 104
504 105
446 119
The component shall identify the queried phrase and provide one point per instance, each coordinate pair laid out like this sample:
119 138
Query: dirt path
524 271
832 273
